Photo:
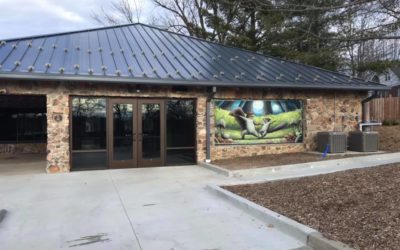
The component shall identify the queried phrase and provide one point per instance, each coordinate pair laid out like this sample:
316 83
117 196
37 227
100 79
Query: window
23 119
88 123
387 76
180 132
89 133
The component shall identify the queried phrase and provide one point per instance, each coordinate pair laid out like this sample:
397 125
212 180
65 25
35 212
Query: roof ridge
69 32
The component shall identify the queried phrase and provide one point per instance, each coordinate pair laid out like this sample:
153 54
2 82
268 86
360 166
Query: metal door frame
158 161
133 163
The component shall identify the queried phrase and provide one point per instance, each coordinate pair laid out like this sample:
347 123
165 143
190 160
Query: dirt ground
389 138
358 207
274 160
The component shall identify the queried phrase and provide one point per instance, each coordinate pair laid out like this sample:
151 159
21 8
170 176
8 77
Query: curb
216 169
310 237
3 213
330 166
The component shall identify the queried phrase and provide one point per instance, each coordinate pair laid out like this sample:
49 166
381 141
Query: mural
258 121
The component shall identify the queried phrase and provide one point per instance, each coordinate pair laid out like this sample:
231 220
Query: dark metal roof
138 53
396 70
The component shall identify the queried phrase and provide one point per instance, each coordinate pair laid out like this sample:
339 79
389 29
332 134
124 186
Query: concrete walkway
153 208
314 168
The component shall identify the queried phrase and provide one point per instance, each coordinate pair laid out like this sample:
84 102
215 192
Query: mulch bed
261 161
359 207
389 138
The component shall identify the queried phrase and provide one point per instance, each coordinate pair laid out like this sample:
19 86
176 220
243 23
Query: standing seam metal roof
138 53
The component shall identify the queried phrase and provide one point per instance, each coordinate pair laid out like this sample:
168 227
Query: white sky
19 18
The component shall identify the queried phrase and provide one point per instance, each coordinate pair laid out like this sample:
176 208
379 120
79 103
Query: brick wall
324 110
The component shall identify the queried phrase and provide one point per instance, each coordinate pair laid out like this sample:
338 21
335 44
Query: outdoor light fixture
137 88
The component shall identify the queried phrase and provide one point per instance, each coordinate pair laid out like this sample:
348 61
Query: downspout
365 110
208 123
366 118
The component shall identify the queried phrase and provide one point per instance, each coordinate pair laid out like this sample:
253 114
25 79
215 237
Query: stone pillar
58 155
201 128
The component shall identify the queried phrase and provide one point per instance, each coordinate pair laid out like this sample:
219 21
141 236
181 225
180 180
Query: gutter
176 82
369 98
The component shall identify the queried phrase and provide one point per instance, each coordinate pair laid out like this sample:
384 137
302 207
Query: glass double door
135 133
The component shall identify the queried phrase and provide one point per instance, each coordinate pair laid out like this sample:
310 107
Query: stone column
58 155
201 128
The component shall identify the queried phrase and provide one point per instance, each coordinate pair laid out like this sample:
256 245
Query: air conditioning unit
333 142
363 141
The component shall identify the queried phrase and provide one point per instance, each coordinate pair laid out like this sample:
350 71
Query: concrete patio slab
152 208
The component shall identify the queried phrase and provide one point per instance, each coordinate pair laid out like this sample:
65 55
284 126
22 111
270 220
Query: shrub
391 122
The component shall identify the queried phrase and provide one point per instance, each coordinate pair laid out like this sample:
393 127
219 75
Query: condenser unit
332 142
363 141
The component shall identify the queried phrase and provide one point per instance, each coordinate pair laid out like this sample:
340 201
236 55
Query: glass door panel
151 133
122 133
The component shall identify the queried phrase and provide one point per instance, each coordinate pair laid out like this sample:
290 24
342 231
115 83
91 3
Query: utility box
337 142
363 141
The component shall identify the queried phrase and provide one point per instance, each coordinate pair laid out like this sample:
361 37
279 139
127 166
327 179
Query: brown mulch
275 160
359 207
389 138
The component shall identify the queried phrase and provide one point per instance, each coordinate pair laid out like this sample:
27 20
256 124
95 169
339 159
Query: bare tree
119 12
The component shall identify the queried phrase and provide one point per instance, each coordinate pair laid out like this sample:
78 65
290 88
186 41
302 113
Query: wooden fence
387 108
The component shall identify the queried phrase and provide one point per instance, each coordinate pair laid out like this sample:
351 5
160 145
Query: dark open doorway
23 133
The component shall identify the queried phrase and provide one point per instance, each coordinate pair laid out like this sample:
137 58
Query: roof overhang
173 82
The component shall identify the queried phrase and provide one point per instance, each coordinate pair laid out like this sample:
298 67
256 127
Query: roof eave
151 81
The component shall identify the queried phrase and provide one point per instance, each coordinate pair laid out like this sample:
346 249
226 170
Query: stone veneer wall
323 111
58 110
321 108
22 148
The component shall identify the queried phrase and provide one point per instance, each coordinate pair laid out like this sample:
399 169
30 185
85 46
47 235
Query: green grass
236 135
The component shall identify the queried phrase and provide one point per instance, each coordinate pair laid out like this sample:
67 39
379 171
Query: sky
20 18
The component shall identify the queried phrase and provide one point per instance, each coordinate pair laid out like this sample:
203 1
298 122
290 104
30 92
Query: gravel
358 207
